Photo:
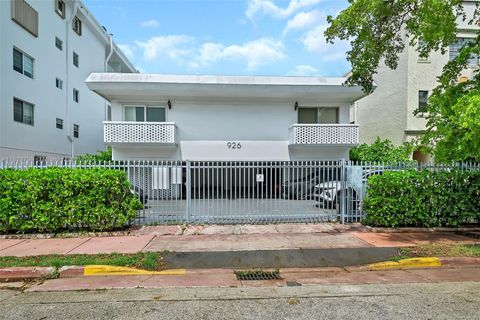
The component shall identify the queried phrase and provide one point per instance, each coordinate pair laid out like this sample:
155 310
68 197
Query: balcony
324 134
116 132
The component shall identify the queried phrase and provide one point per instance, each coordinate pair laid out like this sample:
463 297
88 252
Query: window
60 8
143 113
318 115
422 44
422 100
58 43
59 83
25 16
59 123
75 59
22 63
76 131
22 111
455 48
109 113
39 160
76 95
77 26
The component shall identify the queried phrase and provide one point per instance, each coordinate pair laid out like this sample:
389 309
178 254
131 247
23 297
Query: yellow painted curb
407 263
101 270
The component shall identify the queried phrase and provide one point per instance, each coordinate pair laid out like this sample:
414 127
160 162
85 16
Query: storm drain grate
258 275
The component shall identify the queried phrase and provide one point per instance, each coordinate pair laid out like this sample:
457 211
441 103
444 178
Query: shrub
382 151
100 156
423 198
53 199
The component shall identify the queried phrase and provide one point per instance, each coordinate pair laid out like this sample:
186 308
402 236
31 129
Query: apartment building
227 118
48 49
389 111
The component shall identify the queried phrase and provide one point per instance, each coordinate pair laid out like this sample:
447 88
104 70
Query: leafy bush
423 198
100 156
53 199
382 151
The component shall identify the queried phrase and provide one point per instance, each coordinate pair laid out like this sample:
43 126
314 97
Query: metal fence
246 191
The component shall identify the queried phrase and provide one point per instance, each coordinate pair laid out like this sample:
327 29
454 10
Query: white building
48 49
389 111
227 118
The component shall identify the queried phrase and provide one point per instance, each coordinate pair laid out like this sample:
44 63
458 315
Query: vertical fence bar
343 194
188 190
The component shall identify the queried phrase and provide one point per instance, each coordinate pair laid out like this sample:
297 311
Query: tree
379 31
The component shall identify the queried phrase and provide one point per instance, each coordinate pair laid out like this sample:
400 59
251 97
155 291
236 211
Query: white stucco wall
204 128
383 113
43 138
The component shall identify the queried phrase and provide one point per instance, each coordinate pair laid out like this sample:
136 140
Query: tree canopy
379 30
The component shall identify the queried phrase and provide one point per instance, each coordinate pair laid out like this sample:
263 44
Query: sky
225 37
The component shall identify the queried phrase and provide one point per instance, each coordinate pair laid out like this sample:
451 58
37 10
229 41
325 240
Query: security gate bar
237 192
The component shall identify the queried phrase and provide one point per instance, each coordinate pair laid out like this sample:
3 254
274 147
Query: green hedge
423 198
54 199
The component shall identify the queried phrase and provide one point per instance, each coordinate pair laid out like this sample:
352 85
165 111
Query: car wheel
351 201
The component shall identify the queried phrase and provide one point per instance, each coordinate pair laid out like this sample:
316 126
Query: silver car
329 194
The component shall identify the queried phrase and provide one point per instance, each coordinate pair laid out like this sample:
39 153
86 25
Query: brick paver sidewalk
227 238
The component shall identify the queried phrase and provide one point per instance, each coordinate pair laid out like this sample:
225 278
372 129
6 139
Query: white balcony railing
116 132
323 134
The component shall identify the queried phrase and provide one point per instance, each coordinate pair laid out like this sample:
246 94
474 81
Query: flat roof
215 79
130 87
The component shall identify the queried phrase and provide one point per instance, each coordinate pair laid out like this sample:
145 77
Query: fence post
343 198
189 190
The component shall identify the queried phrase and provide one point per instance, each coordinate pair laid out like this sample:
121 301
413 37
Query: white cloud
150 23
255 53
172 46
185 50
303 70
268 7
127 50
315 41
303 19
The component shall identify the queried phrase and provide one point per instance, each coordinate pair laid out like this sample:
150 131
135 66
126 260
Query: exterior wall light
169 104
296 105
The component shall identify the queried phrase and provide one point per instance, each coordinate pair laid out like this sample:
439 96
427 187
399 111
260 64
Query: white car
329 194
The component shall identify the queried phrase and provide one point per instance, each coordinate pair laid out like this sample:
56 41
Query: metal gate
239 192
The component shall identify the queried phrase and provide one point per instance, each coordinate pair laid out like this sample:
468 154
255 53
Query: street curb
425 262
70 271
460 230
14 274
104 270
460 261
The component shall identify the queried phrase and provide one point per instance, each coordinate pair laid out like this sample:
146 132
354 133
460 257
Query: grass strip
440 250
141 260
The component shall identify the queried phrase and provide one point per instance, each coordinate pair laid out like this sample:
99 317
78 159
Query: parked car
140 194
328 194
304 187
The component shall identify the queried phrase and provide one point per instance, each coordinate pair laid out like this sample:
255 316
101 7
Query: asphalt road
405 301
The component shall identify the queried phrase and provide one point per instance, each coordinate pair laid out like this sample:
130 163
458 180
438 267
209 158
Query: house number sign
234 145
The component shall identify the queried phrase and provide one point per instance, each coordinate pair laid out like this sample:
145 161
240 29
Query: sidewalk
219 238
